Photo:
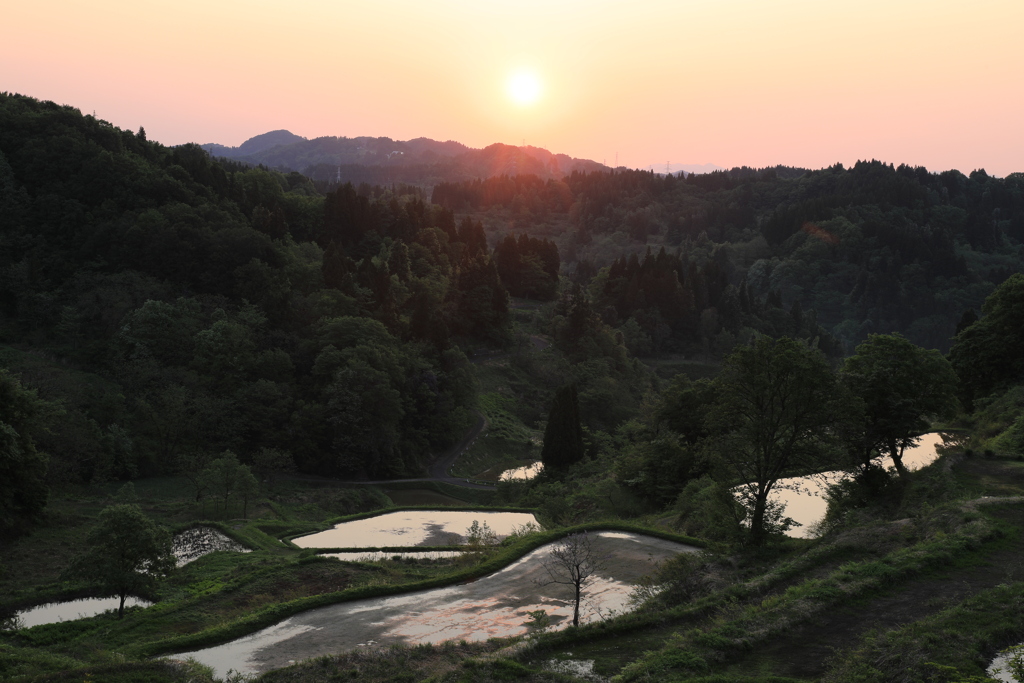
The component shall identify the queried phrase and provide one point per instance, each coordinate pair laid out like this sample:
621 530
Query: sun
524 88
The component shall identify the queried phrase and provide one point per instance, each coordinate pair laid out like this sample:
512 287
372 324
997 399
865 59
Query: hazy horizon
730 83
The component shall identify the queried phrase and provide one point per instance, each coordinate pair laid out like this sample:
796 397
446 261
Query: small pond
525 472
496 605
805 496
191 544
413 527
73 609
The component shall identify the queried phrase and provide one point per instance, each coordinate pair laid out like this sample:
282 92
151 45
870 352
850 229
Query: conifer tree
563 437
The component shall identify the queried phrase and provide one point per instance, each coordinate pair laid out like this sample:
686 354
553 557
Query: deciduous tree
574 561
901 385
127 553
776 413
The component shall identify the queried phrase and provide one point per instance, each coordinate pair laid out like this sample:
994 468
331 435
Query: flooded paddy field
413 528
187 546
496 605
191 544
69 610
381 555
804 497
522 473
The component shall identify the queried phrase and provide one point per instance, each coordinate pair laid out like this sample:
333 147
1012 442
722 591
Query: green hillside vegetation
835 254
229 346
421 162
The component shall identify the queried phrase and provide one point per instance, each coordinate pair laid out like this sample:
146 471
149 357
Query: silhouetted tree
563 436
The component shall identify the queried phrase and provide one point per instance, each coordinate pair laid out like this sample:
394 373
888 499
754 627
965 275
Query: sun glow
524 88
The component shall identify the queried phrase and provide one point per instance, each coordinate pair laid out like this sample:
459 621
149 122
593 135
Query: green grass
444 663
742 629
506 444
957 642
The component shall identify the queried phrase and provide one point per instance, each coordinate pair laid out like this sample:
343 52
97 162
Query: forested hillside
159 308
872 248
174 307
421 162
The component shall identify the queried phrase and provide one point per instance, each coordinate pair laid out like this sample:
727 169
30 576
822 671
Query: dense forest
218 307
872 248
209 306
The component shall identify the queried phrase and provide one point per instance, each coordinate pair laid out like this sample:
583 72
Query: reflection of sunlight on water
380 555
622 535
496 605
239 654
412 528
1000 662
804 497
73 609
524 472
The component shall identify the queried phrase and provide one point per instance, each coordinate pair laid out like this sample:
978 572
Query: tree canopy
989 354
127 553
777 406
23 489
900 386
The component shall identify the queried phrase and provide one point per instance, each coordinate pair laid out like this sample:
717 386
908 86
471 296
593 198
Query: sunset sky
730 82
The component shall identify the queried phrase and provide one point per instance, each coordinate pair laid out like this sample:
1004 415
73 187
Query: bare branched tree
573 562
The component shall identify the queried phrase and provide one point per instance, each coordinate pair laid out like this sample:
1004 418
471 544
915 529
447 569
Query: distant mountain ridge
420 161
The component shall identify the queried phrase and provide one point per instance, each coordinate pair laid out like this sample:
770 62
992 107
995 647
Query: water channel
493 606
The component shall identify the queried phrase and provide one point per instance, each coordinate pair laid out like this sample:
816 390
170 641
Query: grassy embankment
515 389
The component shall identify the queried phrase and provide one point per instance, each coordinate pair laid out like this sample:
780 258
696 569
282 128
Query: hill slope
421 161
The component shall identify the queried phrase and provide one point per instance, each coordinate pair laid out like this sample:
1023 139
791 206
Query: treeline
527 190
874 248
175 307
668 302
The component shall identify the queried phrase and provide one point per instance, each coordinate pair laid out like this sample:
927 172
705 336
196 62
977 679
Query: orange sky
731 82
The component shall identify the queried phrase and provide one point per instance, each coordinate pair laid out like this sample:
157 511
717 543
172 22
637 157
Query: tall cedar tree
563 437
